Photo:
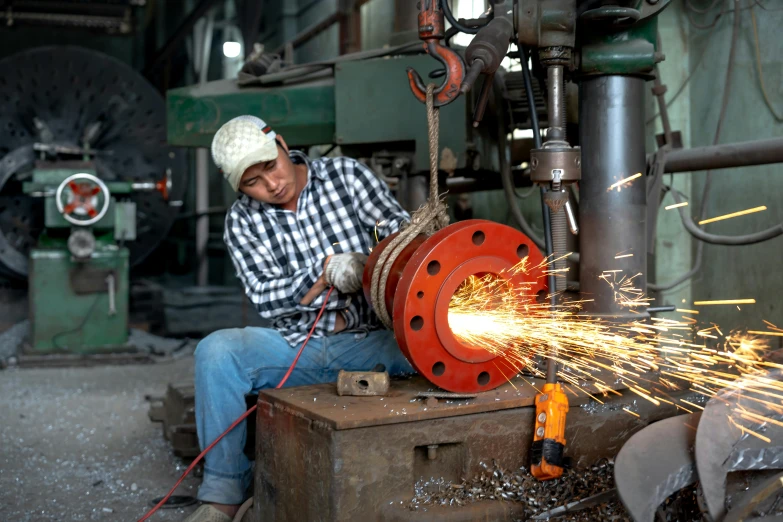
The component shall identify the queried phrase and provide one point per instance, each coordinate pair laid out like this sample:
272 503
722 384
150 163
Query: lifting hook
431 31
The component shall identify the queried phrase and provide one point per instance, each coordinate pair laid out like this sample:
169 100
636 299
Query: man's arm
377 208
274 290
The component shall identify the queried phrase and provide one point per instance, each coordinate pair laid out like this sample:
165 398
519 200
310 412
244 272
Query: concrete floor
76 444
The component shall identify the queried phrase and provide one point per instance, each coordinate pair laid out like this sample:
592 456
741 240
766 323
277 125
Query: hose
690 226
688 223
715 239
505 169
454 22
508 190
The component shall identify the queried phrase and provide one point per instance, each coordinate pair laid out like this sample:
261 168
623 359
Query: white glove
344 271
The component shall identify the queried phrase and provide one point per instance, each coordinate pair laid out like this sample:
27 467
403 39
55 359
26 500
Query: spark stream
651 357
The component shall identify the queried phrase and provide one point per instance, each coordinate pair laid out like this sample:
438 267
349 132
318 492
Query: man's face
273 182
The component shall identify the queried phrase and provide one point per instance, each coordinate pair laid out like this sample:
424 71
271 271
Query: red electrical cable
241 417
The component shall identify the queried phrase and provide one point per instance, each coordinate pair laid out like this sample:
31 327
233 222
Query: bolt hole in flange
438 369
420 294
523 251
483 378
433 268
478 237
417 323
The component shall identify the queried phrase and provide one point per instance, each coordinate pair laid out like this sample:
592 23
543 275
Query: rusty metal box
322 457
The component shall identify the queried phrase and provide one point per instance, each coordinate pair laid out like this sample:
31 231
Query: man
298 227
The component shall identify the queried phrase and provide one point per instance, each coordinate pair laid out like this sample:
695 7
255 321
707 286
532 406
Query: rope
431 217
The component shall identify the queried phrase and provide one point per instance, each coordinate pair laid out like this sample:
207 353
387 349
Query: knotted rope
431 217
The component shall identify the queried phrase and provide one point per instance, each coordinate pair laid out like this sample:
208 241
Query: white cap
240 144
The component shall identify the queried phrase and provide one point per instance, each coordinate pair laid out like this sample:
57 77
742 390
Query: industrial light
231 49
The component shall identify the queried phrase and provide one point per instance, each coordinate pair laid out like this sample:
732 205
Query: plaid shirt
278 254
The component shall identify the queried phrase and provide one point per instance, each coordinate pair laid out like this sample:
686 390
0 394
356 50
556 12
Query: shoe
207 513
245 513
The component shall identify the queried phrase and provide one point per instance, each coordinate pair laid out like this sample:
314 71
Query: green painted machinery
78 270
82 137
365 107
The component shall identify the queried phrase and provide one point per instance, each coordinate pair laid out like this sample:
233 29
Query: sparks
622 256
686 311
676 205
725 302
487 313
632 413
733 215
623 181
761 332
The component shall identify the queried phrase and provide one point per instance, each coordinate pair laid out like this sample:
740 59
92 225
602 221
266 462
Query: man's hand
344 271
318 287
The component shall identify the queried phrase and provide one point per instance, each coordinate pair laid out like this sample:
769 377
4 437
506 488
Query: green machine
78 271
367 109
85 180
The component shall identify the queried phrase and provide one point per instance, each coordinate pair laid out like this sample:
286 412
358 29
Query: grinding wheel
56 96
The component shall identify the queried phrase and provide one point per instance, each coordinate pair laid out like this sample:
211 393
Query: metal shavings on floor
520 486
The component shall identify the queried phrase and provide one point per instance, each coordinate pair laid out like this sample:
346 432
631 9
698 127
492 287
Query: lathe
87 192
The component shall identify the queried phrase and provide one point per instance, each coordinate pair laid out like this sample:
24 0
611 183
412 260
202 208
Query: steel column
611 129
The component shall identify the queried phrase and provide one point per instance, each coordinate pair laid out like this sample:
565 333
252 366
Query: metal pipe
659 91
202 223
727 155
179 33
202 169
556 101
310 32
611 133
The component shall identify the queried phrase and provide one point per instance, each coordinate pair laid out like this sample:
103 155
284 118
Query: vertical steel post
611 131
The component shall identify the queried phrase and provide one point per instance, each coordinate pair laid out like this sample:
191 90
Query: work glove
344 271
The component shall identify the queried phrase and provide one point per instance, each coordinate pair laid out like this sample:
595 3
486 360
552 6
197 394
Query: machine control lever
112 294
572 224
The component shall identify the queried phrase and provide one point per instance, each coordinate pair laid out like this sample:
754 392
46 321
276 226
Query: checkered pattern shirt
278 254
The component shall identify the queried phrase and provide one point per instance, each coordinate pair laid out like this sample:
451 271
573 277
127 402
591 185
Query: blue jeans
232 363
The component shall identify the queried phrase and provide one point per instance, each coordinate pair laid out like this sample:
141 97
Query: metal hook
431 31
448 91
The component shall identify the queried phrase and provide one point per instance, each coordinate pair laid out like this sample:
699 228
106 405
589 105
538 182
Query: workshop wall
733 272
673 255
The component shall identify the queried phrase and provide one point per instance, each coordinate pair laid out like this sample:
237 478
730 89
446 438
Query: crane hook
431 31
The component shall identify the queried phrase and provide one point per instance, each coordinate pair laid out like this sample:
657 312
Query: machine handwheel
82 199
432 276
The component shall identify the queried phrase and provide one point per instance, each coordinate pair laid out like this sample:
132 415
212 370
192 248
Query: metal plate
722 448
378 89
69 89
647 472
405 401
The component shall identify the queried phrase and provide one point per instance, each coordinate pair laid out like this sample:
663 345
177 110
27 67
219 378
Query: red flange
420 287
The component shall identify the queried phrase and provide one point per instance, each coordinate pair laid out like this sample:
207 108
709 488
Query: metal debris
446 395
496 483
